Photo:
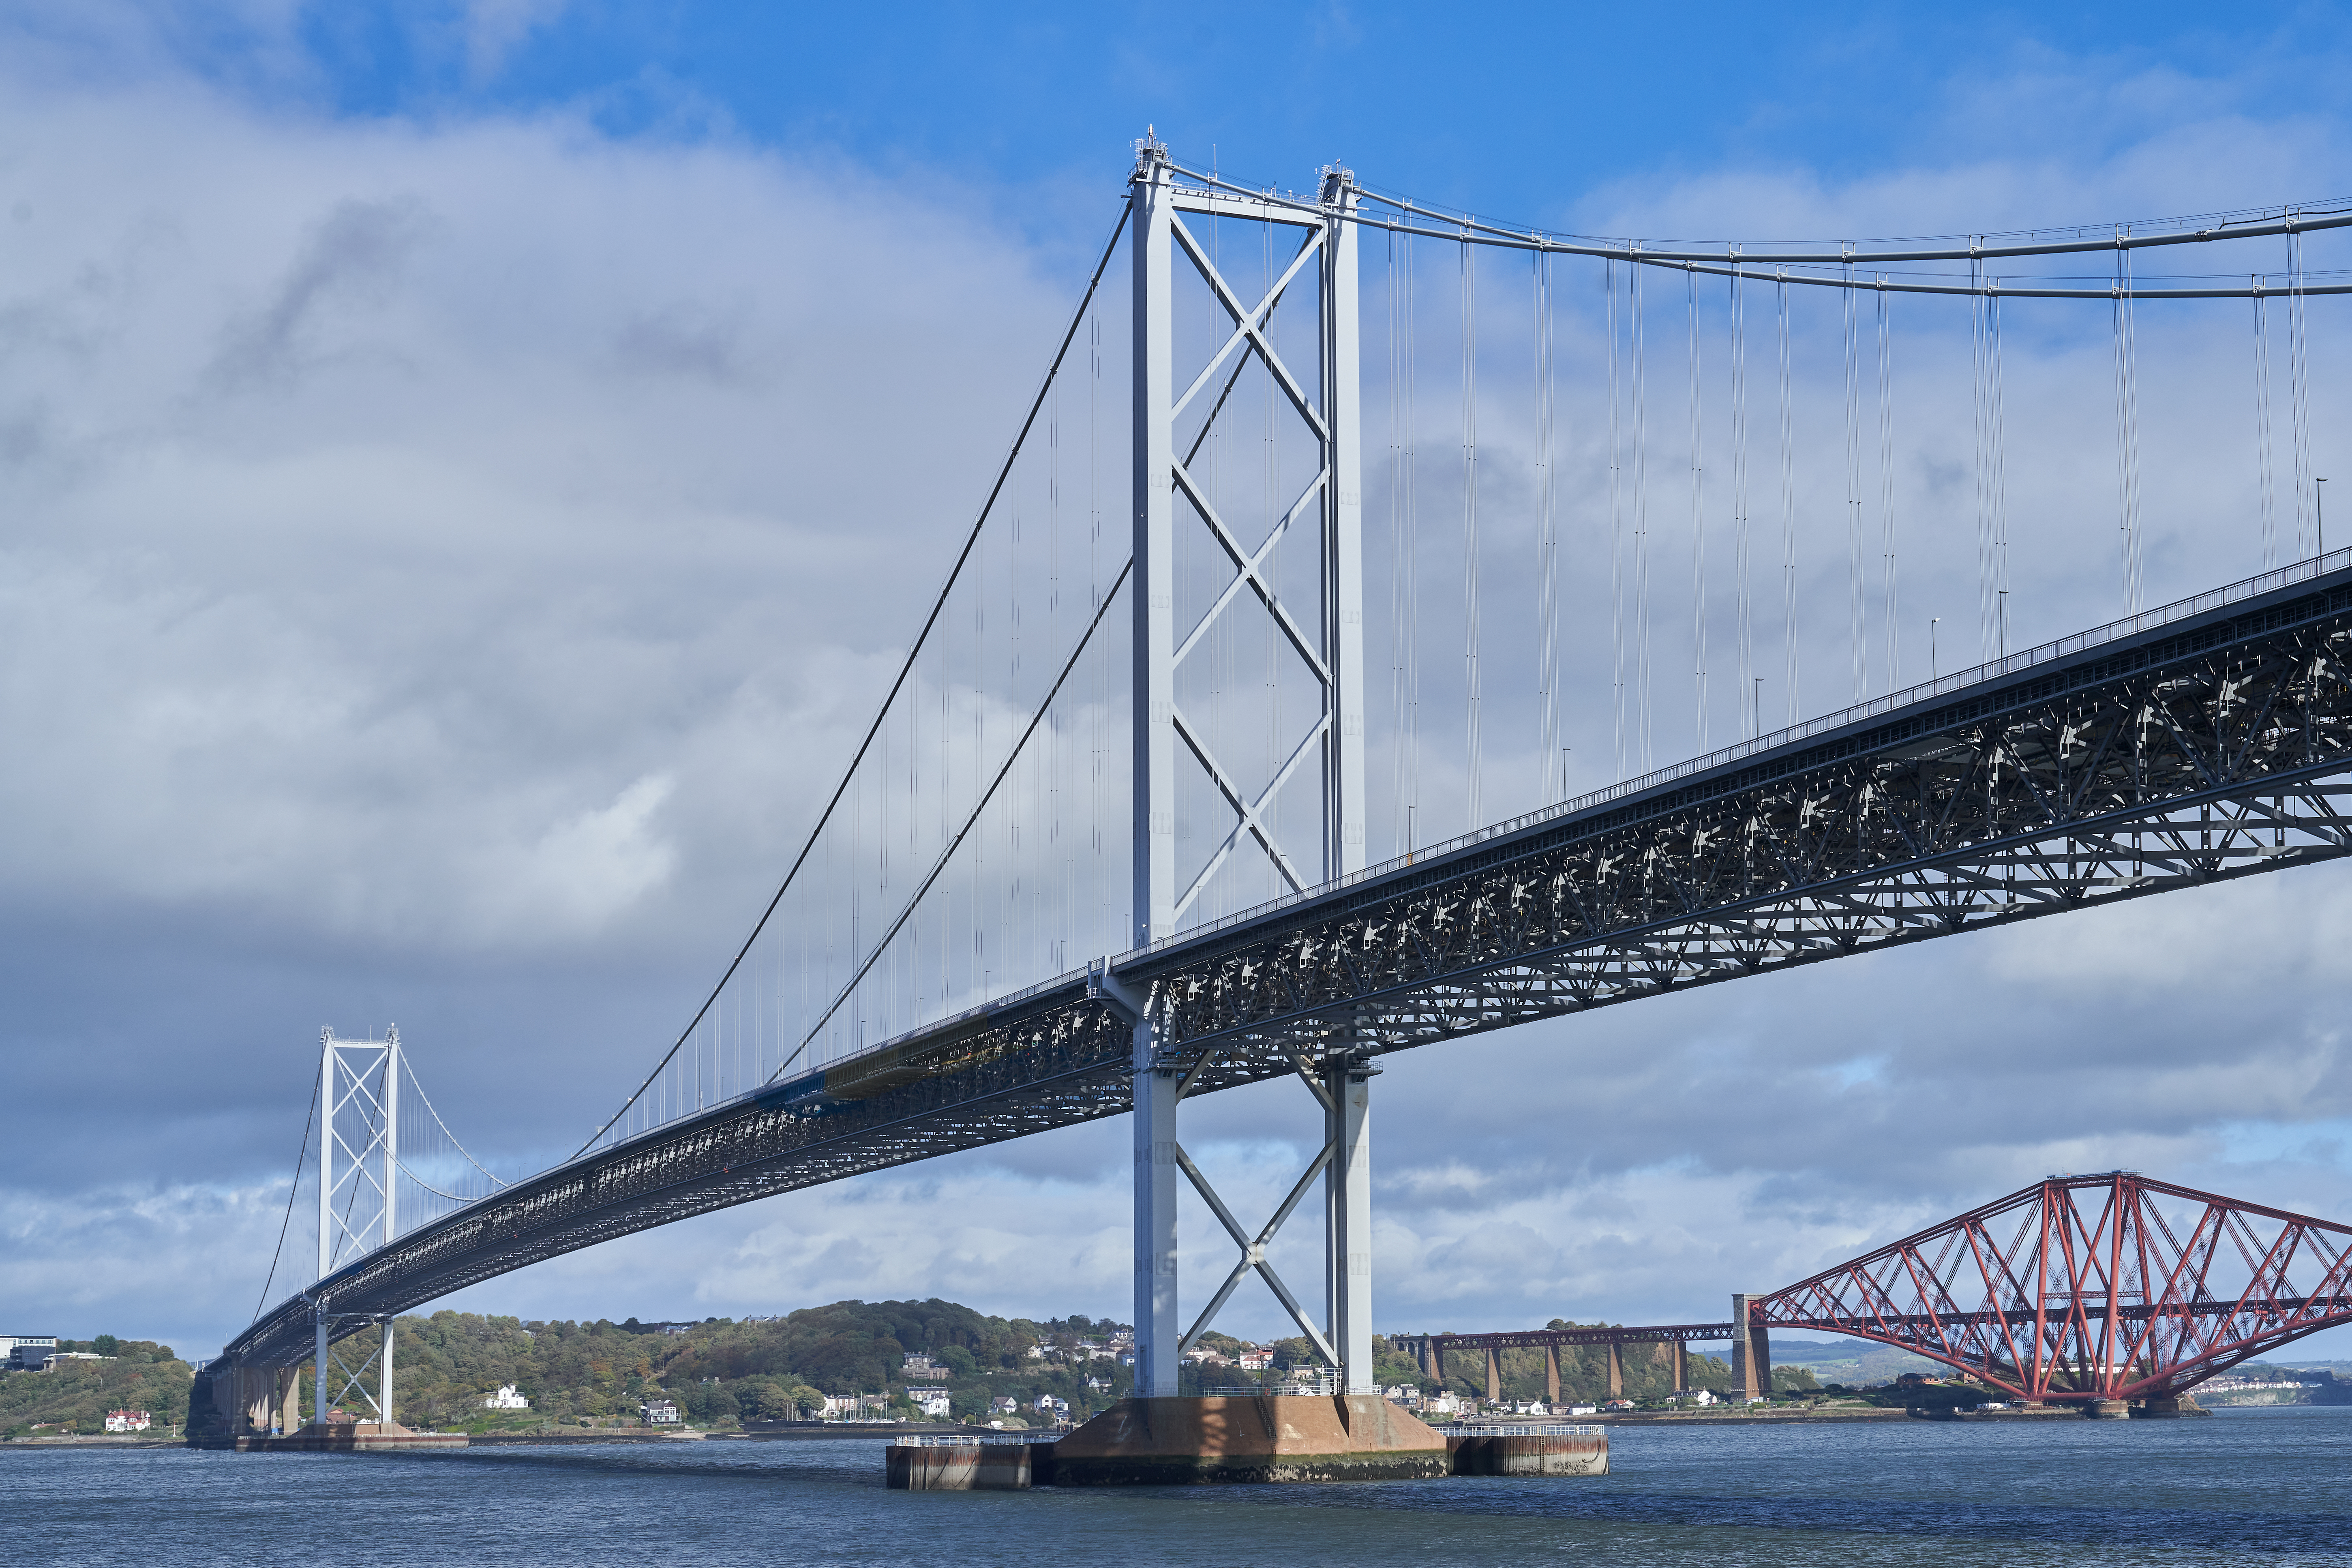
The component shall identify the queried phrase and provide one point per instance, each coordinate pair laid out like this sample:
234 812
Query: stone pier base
337 1437
953 1467
1534 1455
2108 1409
1268 1437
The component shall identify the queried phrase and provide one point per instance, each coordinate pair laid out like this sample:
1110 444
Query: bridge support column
1551 1372
1158 1333
289 1399
318 1395
1616 1370
383 1375
1751 1353
1493 1373
1348 1183
1678 1357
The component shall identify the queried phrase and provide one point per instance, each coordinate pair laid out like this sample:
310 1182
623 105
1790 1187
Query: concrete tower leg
1493 1373
319 1370
1551 1375
1680 1354
383 1379
1157 1334
1350 1263
1616 1370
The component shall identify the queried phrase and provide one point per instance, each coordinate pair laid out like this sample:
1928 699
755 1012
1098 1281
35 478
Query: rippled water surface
2272 1486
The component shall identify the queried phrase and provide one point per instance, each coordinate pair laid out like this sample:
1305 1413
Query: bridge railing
1942 685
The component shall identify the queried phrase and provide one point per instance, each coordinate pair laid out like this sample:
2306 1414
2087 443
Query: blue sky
1519 110
560 347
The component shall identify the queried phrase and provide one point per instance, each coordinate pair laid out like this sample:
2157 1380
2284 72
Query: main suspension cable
914 900
292 1189
939 604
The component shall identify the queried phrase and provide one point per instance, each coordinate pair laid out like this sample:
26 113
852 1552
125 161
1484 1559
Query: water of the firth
2268 1485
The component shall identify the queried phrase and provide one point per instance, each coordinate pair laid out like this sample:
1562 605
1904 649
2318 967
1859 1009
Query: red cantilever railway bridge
2112 1287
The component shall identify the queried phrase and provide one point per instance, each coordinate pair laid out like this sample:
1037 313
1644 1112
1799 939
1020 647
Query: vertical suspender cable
1396 534
2263 424
1853 483
1980 410
1788 501
1640 516
1699 518
1886 478
2135 583
1616 523
1401 563
1547 546
2299 384
1470 628
1412 524
1751 721
1999 488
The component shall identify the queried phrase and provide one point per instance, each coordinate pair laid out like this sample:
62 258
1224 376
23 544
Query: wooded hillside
73 1396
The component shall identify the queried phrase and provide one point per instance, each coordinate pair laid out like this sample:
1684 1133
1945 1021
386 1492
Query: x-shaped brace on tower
1329 644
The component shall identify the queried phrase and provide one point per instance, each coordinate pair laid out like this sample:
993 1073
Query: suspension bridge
1085 863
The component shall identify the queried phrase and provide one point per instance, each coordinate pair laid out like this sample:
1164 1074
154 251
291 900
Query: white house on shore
505 1398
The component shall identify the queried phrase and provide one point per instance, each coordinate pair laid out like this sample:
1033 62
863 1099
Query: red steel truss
2080 1288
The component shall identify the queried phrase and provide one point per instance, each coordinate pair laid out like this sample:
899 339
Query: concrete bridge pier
289 1398
319 1364
1551 1375
1616 1371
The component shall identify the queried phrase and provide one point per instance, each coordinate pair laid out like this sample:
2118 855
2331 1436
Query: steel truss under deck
2212 745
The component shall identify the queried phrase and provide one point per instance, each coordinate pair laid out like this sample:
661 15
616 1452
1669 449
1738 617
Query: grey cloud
690 340
353 257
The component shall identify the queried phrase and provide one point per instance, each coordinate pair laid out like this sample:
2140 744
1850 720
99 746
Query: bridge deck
2196 744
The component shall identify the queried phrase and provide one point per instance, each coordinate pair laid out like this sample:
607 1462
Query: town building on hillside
918 1368
23 1351
659 1413
1048 1405
1254 1358
505 1398
127 1421
932 1402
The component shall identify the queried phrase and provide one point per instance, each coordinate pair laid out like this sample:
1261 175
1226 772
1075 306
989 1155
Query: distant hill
722 1370
1850 1362
75 1395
